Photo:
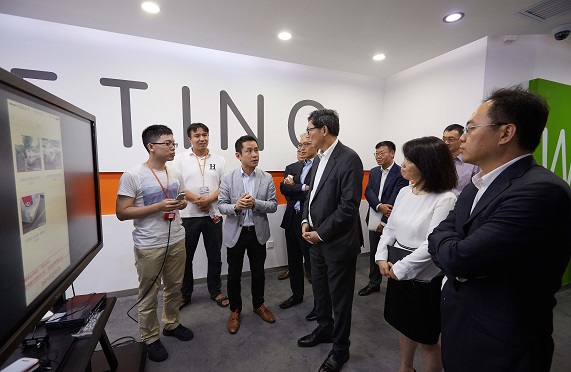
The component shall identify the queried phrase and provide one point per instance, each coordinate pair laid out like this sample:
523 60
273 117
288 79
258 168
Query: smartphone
180 196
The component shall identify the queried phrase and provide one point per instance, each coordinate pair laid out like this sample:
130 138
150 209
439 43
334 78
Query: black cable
127 340
156 277
73 289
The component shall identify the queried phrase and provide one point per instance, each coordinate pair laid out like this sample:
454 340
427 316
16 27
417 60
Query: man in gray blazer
331 223
246 195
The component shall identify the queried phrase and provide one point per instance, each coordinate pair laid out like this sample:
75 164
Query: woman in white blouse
412 302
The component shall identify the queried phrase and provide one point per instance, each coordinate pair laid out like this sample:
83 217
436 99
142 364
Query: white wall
81 57
417 102
528 57
424 99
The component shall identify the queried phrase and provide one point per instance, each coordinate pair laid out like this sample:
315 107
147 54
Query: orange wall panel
109 184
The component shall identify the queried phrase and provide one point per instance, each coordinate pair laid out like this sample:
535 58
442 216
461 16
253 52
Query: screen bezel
46 300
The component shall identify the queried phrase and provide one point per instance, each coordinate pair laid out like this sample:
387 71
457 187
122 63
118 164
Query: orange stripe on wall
109 184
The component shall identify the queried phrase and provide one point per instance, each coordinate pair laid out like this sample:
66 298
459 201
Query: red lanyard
159 181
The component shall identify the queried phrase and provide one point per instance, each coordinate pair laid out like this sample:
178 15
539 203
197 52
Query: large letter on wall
225 102
293 114
124 86
34 74
186 121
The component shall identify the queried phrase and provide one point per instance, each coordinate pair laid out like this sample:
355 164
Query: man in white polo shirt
202 172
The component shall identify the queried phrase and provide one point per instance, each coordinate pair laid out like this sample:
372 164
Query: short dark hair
456 127
153 133
389 144
240 142
432 157
327 118
526 110
194 128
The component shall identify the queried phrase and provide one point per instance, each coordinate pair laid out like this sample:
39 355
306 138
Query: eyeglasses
170 144
302 145
469 127
449 139
310 129
380 153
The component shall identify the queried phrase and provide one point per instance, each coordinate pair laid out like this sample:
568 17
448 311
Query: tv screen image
50 225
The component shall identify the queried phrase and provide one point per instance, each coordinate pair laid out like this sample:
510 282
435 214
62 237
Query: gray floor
260 346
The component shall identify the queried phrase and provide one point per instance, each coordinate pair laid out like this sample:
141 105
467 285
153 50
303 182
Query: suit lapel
296 170
257 181
390 177
310 174
238 180
329 167
501 183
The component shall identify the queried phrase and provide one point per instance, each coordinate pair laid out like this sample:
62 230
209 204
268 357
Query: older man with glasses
295 187
466 171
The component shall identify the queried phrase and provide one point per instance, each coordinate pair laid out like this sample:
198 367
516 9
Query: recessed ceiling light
379 57
284 35
453 17
150 7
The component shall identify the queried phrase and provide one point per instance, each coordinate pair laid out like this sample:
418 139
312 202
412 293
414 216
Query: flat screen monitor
50 224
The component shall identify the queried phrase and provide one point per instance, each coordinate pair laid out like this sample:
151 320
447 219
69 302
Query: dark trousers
248 242
297 251
333 287
375 276
212 236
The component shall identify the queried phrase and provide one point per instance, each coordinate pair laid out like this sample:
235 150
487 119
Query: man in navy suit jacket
505 245
387 177
331 223
295 187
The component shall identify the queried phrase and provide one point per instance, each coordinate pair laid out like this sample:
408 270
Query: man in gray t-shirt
148 195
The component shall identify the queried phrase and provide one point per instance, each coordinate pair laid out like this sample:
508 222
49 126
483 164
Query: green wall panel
552 152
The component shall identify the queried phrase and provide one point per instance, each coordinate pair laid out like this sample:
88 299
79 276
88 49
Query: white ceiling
335 34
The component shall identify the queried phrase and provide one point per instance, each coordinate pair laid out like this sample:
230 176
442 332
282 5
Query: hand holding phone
180 196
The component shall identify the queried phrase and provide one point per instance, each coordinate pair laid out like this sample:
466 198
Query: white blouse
413 218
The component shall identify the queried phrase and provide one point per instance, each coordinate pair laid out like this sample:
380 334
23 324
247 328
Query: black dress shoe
289 303
311 316
335 361
370 288
318 336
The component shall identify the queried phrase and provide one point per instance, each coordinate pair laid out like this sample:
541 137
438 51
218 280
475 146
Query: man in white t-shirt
148 195
202 171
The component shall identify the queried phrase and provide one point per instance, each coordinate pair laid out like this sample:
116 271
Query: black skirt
413 308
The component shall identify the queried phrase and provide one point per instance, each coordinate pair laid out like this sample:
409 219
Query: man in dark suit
385 182
505 245
285 274
295 187
331 223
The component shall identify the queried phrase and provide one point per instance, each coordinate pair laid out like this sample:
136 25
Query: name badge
204 190
169 216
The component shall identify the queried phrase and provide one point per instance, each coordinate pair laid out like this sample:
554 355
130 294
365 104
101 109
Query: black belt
248 228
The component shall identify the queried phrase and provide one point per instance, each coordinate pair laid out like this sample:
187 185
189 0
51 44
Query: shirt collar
244 174
484 180
199 157
388 169
327 153
308 161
